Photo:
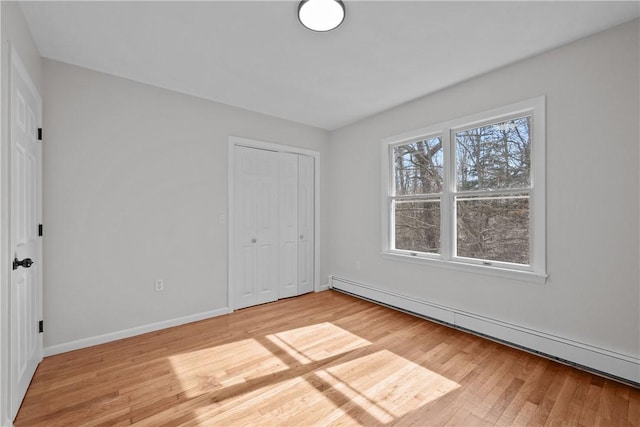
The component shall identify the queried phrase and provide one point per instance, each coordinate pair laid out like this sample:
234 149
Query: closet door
306 198
288 225
255 226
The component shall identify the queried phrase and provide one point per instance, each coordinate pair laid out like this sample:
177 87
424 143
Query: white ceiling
255 55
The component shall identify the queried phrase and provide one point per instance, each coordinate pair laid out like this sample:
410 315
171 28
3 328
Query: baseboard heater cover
619 367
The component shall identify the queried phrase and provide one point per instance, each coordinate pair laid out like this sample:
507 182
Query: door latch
25 263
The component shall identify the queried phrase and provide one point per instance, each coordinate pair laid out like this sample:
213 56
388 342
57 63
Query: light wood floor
320 359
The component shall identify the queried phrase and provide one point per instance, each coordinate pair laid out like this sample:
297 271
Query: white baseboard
126 333
324 287
583 355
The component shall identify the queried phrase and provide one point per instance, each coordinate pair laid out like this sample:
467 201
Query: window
418 168
469 194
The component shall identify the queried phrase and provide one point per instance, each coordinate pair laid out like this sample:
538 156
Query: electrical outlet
159 285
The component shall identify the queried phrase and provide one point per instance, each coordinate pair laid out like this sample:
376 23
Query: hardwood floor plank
634 408
319 359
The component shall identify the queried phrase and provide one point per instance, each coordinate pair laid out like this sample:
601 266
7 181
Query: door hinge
39 134
40 230
41 326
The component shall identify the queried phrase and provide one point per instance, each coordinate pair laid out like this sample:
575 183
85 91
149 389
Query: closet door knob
253 240
301 236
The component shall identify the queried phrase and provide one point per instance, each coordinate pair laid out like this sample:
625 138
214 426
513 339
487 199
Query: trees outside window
493 180
418 170
470 191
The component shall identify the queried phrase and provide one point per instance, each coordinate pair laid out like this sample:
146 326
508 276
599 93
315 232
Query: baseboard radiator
620 367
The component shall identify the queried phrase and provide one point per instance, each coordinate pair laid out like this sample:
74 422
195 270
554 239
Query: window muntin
482 174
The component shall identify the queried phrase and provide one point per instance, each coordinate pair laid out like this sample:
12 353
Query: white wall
592 294
14 32
134 182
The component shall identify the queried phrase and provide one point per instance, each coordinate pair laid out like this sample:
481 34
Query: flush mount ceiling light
321 15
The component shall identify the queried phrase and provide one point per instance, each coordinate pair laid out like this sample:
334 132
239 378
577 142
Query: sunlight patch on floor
241 361
210 369
376 388
269 379
317 342
388 385
273 404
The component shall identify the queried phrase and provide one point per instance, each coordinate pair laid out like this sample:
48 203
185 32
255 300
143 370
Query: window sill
525 276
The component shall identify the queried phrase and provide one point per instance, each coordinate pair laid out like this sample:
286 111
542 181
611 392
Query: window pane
418 226
495 156
418 167
493 228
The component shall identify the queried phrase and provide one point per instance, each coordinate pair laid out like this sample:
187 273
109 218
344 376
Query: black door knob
26 263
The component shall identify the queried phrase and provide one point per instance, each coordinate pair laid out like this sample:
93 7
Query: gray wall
592 293
16 33
135 179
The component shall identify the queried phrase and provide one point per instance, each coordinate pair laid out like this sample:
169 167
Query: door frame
264 145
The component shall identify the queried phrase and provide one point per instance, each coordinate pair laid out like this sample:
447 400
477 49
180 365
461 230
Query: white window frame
535 271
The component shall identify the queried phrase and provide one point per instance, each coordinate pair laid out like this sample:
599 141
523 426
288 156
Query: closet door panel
288 224
306 220
255 230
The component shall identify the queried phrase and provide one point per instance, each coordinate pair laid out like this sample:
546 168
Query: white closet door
256 225
306 196
288 225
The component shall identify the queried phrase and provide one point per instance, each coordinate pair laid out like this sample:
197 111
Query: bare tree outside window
491 196
418 226
489 160
419 167
494 157
493 228
468 194
418 171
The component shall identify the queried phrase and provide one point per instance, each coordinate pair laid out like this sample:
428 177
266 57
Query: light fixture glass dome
321 15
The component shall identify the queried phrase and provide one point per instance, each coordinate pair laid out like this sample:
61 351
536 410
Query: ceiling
255 54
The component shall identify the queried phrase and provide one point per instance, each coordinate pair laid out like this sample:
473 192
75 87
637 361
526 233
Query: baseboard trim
127 333
324 287
621 367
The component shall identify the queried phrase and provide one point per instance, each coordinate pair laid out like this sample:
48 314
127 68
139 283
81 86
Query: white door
306 197
287 225
25 244
255 226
